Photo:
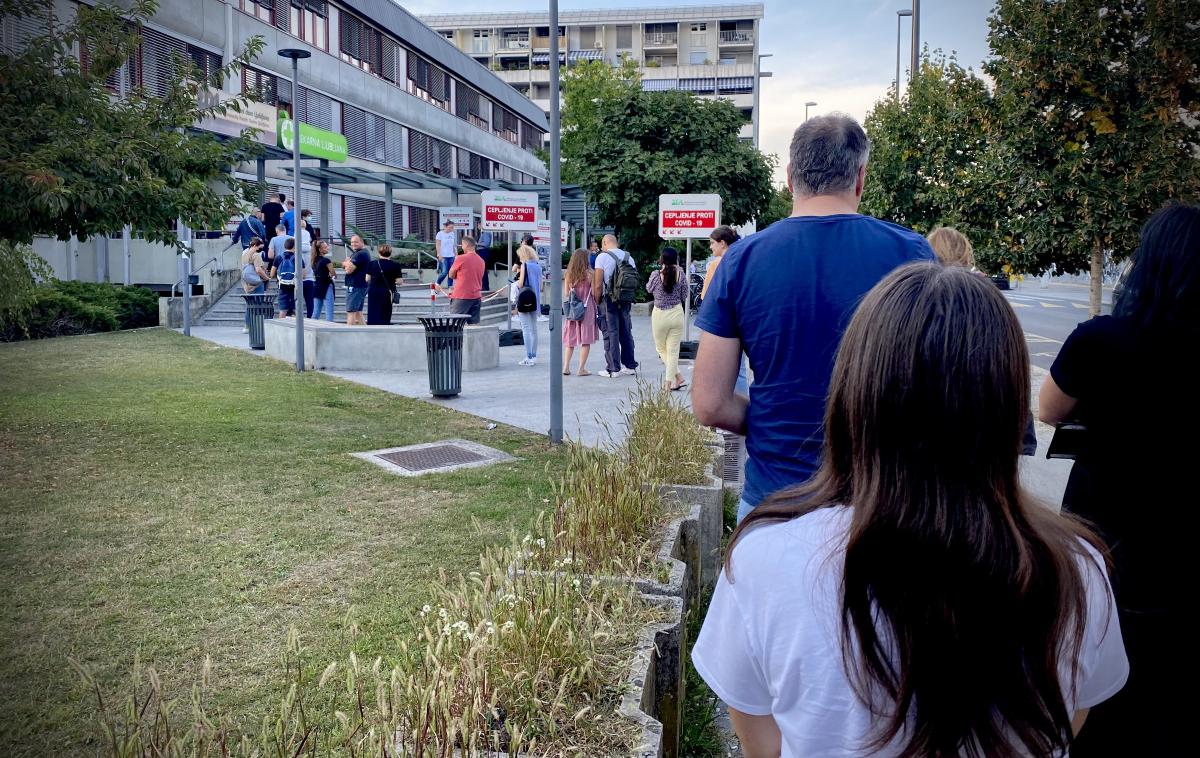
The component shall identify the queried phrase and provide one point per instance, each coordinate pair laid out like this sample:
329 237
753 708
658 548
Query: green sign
314 142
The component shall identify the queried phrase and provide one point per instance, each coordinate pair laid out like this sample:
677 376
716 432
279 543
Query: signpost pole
556 283
508 309
297 251
687 296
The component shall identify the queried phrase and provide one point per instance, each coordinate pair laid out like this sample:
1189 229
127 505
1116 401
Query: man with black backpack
616 278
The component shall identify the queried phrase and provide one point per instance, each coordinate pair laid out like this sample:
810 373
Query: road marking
1044 355
1031 337
1048 305
1020 305
1080 306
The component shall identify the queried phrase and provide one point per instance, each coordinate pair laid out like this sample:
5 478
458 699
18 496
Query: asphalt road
1048 315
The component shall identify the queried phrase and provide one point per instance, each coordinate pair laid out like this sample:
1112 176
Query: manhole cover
438 456
434 457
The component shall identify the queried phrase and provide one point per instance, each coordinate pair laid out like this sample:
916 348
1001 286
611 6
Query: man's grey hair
468 242
826 155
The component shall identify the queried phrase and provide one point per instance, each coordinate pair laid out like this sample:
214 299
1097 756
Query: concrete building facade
403 97
709 50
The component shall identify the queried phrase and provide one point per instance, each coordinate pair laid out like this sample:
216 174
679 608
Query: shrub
665 438
57 314
133 307
21 272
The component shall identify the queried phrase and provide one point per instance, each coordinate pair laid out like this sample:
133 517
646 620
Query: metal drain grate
433 457
731 460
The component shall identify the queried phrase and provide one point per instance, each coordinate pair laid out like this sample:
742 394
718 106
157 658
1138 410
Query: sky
840 55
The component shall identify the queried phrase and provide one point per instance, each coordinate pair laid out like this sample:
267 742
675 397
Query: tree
586 87
931 159
77 161
631 146
1098 105
779 206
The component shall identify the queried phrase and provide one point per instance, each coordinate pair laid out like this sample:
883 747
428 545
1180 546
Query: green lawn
170 499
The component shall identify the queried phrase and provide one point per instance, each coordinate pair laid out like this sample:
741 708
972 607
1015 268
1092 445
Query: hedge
64 308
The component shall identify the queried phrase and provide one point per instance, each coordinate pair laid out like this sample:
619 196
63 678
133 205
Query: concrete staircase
230 309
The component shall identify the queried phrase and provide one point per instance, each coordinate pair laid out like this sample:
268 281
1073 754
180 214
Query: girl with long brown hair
582 332
911 600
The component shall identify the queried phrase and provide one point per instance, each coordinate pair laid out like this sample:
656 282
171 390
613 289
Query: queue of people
891 590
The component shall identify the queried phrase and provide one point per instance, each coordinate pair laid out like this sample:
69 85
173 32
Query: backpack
250 276
287 271
623 286
526 298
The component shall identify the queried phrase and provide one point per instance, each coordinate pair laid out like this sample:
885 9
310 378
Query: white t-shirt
446 242
771 642
608 265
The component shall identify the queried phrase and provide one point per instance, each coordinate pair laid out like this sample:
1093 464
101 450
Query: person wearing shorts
355 266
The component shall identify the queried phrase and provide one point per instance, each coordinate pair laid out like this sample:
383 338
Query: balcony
543 43
660 39
734 37
513 45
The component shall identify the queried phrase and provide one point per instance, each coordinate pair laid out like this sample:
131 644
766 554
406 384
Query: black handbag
395 292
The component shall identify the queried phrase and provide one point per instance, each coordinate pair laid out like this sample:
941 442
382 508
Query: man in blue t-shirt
784 296
355 267
289 219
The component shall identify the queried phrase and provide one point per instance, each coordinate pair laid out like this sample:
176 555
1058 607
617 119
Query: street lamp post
916 38
806 106
899 15
758 77
555 262
298 278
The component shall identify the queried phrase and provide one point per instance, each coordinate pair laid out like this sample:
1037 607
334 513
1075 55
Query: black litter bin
260 307
443 350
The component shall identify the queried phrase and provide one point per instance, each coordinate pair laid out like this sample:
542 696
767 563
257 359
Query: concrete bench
400 347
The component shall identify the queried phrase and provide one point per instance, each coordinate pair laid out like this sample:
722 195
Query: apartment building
709 50
402 97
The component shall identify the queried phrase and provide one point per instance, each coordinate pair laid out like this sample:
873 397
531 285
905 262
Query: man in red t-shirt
467 277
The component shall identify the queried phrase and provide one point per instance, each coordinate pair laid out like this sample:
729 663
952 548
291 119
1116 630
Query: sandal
566 372
678 387
582 372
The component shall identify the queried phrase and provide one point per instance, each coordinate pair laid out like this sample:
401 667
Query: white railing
737 35
514 44
660 38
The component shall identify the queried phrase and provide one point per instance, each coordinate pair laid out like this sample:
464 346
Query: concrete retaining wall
335 346
708 502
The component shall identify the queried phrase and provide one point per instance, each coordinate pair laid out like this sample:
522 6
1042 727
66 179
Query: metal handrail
179 284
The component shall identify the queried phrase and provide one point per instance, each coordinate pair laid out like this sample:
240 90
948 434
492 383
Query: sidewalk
520 396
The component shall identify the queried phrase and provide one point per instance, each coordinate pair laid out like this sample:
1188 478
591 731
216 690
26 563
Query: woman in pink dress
581 333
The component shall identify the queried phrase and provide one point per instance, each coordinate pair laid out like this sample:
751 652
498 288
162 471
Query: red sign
689 219
510 213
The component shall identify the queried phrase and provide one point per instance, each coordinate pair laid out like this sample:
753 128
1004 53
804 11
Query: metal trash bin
260 306
443 351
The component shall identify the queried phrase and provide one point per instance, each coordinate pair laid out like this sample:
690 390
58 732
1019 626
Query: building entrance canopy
573 198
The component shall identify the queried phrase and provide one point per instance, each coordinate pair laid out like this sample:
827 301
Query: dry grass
664 438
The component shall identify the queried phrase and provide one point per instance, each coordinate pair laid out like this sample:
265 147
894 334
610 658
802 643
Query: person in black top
382 274
272 212
324 291
1130 378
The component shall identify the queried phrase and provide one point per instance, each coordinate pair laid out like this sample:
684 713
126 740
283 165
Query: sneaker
543 318
609 374
629 371
527 362
245 330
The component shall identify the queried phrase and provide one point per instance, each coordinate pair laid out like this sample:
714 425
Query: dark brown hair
960 594
724 233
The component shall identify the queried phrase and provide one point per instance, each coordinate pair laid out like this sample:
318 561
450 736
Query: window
697 57
308 20
729 61
263 10
428 154
261 86
472 166
531 137
372 137
471 106
428 82
365 215
504 123
544 31
481 41
447 34
207 63
422 222
316 109
587 38
624 37
699 27
360 45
